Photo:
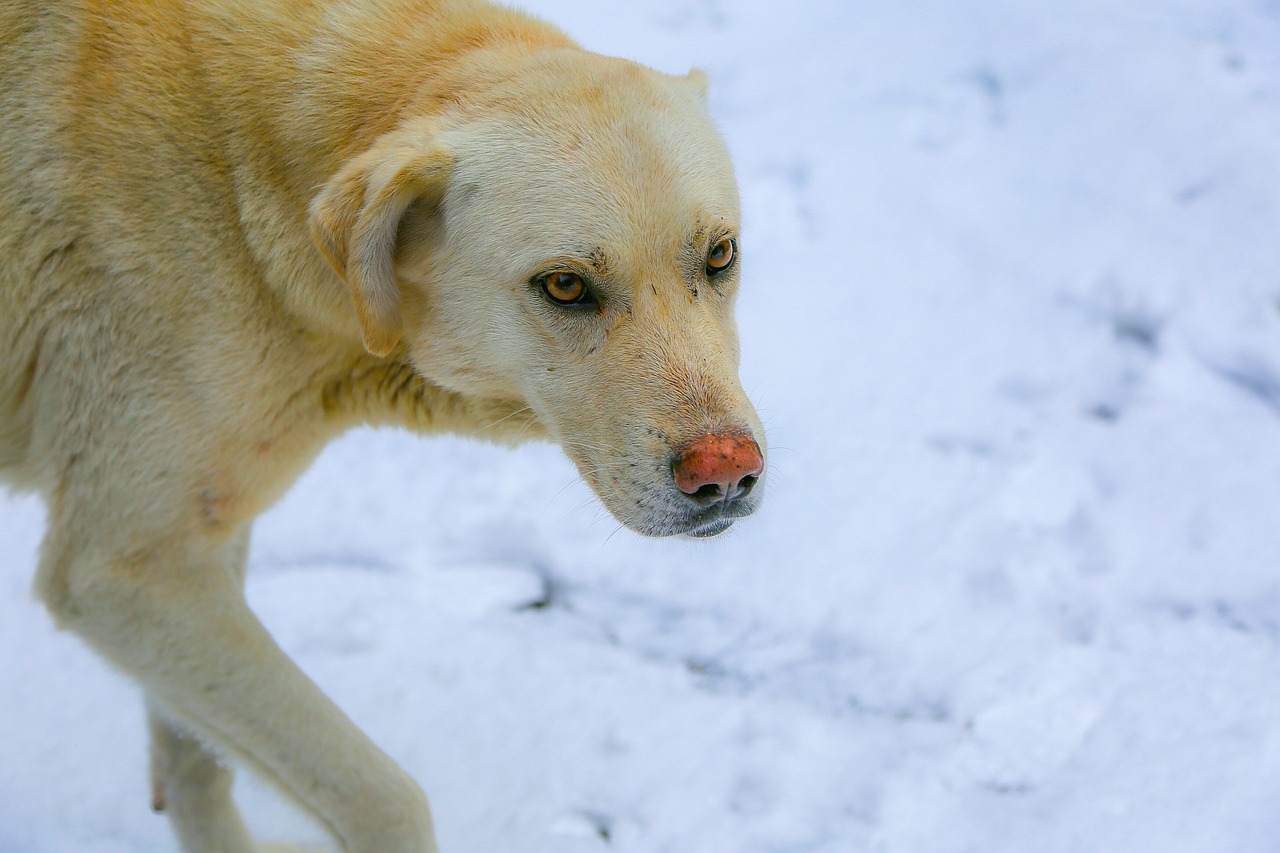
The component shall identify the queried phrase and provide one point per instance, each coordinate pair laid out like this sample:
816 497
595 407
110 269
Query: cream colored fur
230 230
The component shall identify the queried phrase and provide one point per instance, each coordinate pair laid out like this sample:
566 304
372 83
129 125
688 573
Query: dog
231 230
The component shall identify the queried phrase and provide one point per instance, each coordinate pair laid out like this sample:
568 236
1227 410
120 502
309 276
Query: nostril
710 492
718 467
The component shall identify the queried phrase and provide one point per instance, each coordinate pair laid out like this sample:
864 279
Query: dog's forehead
610 154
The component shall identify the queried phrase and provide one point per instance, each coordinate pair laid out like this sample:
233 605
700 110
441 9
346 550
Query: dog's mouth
702 524
714 528
657 499
707 522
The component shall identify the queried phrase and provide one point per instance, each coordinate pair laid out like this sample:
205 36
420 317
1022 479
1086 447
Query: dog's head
567 236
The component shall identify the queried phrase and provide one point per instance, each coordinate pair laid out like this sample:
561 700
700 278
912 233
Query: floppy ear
355 218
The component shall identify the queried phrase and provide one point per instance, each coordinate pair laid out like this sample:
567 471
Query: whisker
582 445
614 533
508 417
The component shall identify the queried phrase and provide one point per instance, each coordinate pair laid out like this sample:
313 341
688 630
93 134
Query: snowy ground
1012 316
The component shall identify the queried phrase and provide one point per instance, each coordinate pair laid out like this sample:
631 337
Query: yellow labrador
230 230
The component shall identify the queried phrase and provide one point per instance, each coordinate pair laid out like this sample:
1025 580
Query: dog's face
576 248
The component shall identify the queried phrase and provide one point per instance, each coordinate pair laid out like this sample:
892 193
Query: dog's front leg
174 617
189 781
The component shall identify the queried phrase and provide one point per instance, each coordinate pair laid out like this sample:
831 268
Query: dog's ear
697 79
355 217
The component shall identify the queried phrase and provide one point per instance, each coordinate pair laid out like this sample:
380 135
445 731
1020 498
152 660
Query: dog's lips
659 509
717 519
714 528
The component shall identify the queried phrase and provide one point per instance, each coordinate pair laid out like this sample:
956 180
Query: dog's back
122 172
94 154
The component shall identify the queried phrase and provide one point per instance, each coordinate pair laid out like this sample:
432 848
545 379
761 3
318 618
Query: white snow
1012 316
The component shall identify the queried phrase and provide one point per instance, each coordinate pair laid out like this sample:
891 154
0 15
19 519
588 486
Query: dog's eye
565 288
722 256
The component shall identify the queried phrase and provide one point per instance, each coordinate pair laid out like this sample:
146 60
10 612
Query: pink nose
719 467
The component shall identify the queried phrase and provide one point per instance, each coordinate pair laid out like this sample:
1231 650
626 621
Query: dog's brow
691 260
599 261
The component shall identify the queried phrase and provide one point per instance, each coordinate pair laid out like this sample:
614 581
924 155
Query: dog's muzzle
717 474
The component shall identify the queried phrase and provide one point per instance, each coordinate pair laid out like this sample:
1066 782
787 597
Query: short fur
230 230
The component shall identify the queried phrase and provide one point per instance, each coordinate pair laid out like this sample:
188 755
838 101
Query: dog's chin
707 531
651 512
699 525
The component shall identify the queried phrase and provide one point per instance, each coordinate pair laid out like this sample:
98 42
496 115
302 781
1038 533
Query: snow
1012 317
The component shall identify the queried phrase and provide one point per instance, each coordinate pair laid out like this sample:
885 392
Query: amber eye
565 288
722 255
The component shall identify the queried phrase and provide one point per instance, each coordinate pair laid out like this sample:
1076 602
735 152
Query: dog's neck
341 57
